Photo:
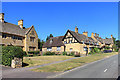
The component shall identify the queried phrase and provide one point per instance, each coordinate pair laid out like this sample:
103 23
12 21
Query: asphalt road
106 68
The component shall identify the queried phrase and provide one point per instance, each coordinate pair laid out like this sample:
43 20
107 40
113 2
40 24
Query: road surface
106 68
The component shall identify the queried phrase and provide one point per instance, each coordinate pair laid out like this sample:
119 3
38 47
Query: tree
40 44
48 37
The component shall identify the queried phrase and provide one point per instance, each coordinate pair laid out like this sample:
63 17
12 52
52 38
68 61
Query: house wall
9 41
30 44
54 49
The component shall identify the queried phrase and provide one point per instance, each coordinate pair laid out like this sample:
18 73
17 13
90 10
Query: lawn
60 67
39 60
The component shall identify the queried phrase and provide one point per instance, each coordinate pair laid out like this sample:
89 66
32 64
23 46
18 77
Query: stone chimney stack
2 17
85 33
95 34
76 29
92 34
20 23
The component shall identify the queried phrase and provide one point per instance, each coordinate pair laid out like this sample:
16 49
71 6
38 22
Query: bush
49 53
9 52
64 53
95 50
71 54
34 52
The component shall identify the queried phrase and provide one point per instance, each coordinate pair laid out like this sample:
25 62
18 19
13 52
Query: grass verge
39 60
60 67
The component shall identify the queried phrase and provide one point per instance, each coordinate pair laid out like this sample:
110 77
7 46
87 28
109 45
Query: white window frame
49 48
58 48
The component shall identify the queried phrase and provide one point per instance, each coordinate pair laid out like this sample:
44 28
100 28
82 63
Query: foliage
9 52
107 47
94 50
34 52
71 54
64 53
49 53
40 44
48 37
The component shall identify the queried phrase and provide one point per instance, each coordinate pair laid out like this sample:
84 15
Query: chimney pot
85 33
111 36
76 29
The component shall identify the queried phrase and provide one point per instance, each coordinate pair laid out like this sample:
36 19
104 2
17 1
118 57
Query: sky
57 17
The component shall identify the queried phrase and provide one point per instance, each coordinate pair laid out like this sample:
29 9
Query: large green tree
48 37
40 44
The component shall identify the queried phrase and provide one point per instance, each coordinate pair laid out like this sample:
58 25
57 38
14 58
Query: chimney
111 36
20 23
95 34
85 33
92 34
76 29
2 17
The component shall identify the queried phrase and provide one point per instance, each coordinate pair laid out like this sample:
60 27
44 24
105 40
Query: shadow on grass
24 64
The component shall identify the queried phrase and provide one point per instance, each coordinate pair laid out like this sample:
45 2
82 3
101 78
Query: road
106 68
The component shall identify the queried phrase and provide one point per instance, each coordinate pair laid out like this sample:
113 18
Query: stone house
17 35
74 41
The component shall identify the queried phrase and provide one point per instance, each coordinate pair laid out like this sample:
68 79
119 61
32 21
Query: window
71 49
16 37
89 48
49 49
70 41
4 36
51 41
85 48
32 33
58 48
65 42
32 39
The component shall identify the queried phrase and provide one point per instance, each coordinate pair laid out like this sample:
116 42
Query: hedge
49 53
9 52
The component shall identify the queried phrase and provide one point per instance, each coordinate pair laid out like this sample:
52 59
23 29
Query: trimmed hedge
95 50
64 53
9 52
49 53
33 52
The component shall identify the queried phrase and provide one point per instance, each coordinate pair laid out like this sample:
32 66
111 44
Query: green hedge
49 53
64 53
95 50
9 52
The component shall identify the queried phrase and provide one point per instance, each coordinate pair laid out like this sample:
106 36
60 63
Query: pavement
105 68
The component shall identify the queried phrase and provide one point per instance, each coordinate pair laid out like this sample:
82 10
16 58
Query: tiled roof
99 39
54 42
81 37
13 29
108 41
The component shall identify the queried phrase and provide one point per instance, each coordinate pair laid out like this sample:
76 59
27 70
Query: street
107 68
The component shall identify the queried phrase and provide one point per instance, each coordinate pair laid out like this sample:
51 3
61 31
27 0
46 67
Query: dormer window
51 41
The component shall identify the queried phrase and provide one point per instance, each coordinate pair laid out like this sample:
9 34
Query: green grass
60 67
39 60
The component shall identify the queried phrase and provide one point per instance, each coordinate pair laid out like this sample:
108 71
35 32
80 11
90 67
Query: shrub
95 50
9 52
71 54
49 53
64 53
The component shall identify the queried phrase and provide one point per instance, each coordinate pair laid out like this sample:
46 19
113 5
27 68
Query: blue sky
56 18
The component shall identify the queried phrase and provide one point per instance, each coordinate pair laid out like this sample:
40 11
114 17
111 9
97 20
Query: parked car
107 51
